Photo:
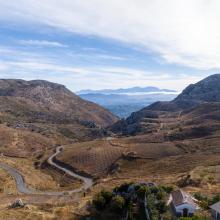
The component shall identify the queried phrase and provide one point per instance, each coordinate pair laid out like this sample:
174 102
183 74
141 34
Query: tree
161 206
215 199
142 191
130 214
160 195
118 203
154 190
167 189
200 197
99 201
107 195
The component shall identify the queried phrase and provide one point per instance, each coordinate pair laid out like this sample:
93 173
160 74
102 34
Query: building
215 210
182 203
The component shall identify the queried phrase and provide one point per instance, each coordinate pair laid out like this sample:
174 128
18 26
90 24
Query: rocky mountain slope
167 142
195 102
50 111
41 99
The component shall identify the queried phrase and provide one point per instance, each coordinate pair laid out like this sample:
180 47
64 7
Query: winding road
22 188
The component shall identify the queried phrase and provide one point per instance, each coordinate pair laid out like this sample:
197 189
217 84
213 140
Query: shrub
154 190
130 214
167 189
215 199
124 187
154 214
161 206
204 204
118 203
99 202
160 195
200 197
107 195
142 191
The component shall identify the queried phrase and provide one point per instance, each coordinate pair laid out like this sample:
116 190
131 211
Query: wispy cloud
42 43
99 77
183 32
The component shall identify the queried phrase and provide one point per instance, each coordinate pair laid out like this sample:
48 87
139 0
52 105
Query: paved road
88 182
22 188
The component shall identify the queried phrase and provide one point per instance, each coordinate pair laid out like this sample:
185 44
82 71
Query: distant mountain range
122 102
132 90
195 112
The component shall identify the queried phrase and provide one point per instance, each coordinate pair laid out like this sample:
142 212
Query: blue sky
100 44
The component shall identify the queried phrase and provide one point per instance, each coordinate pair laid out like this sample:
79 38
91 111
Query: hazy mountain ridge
126 90
203 94
123 102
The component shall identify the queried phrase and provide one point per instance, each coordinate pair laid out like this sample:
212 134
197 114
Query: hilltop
48 112
202 95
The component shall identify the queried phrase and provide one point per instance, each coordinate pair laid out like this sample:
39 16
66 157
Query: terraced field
95 158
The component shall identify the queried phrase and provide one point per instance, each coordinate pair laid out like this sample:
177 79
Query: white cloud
3 66
41 43
185 32
99 77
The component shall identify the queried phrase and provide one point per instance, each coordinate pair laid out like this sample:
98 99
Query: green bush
161 206
214 199
107 195
154 189
167 189
124 187
99 202
154 214
200 197
204 201
142 191
118 203
160 195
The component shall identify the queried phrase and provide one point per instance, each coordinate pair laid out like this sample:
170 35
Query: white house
183 203
215 210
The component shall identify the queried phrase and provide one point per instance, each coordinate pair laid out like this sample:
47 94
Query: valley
66 150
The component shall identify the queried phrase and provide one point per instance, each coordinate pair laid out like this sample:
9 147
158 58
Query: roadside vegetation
205 202
134 201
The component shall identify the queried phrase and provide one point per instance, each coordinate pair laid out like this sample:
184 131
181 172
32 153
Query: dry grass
35 178
21 143
7 183
31 212
94 158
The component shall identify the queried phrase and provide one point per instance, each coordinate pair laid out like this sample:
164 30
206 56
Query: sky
96 44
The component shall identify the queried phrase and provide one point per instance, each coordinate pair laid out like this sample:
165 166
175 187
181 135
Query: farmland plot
95 158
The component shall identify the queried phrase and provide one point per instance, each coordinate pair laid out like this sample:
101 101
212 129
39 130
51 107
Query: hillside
50 111
167 142
51 98
203 94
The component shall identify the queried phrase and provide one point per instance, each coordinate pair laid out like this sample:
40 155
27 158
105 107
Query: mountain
126 90
48 111
196 102
175 142
52 99
207 90
122 102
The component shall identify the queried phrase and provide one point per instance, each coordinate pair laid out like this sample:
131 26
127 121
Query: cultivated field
95 158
